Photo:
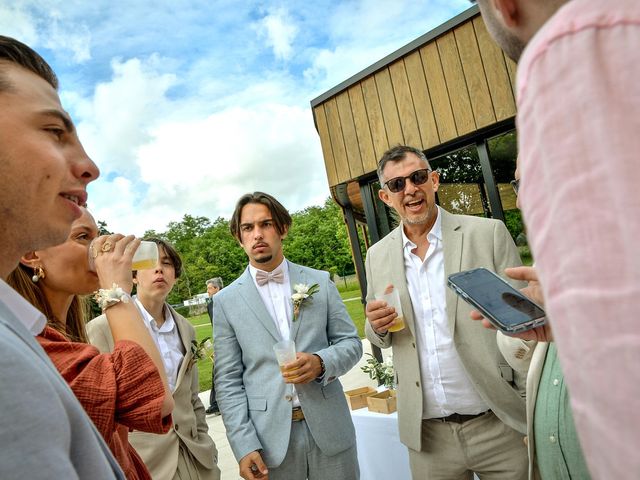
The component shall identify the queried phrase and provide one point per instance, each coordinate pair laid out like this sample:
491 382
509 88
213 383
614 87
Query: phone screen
496 297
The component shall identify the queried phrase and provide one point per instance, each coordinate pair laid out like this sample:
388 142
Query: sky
187 105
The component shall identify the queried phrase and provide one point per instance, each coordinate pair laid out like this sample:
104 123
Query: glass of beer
285 353
146 256
392 298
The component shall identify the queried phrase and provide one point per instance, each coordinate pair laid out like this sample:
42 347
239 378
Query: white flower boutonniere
303 291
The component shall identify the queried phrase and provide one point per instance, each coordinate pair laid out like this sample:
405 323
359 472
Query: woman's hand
112 258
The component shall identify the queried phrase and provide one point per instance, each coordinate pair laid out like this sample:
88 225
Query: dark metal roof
417 43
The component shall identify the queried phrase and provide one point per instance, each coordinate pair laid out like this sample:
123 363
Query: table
380 453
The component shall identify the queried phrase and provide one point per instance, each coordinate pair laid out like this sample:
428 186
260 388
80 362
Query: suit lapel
452 247
398 278
250 295
185 338
296 275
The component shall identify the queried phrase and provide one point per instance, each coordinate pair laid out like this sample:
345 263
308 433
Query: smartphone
504 306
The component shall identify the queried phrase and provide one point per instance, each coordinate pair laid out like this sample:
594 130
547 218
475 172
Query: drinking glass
393 300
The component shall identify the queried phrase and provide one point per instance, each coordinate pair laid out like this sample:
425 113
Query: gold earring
38 273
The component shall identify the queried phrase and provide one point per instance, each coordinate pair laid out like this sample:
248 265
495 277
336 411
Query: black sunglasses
418 177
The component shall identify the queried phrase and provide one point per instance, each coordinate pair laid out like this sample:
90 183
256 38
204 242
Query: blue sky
186 105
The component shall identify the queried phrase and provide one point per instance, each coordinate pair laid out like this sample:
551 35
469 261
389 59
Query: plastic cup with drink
392 297
285 351
145 256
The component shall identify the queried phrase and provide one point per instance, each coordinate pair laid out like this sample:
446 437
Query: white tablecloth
380 453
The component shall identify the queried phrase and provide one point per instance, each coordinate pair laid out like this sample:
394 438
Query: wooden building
449 93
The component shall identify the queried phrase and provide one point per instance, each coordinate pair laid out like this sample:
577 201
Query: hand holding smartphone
506 308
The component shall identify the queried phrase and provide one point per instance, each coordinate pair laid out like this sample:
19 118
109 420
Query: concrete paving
226 461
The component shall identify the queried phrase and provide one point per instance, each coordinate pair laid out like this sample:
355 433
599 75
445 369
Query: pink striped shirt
579 133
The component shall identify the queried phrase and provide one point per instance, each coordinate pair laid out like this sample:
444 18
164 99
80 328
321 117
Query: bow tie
263 277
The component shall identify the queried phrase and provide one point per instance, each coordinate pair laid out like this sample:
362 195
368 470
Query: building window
462 188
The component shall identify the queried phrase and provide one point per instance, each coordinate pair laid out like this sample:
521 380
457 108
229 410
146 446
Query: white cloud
41 25
117 120
17 23
279 31
181 109
74 38
202 166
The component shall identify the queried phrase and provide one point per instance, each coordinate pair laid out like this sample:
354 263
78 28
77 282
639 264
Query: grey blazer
44 431
468 242
251 394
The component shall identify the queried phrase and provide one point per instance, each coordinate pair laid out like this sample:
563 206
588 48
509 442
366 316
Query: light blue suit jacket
250 391
44 431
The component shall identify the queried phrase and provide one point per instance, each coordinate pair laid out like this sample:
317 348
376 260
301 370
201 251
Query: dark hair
74 327
280 215
13 51
396 154
171 252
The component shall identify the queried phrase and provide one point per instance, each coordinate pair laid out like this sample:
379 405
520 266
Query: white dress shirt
446 388
168 341
32 318
277 299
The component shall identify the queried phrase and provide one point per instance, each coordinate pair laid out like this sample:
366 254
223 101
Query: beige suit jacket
160 452
468 242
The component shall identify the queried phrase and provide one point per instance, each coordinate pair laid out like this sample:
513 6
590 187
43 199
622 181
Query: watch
322 368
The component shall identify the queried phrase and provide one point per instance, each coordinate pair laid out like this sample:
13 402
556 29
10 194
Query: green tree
318 239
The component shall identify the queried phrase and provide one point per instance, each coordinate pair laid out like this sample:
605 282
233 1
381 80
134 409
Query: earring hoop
38 273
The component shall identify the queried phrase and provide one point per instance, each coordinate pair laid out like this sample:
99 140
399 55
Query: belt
297 414
459 418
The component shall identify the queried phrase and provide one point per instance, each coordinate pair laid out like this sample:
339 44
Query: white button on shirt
167 339
446 388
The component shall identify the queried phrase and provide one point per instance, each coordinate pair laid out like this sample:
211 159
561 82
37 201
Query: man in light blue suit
44 431
294 425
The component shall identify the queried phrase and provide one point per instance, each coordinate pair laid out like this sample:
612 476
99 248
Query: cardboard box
357 398
383 402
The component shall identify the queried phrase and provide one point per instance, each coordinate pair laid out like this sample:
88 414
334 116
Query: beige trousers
454 451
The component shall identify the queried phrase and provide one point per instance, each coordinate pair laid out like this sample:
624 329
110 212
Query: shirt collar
434 234
30 316
168 324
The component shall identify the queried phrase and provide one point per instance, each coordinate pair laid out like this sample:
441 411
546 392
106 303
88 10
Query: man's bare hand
253 467
305 369
533 290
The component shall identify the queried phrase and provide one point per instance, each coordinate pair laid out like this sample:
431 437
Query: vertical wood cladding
451 86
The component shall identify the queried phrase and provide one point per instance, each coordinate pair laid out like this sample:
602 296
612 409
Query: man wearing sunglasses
460 405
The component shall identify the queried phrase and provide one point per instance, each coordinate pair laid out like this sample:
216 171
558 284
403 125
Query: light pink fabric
579 134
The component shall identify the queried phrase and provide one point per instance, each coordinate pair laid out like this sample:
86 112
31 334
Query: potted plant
385 401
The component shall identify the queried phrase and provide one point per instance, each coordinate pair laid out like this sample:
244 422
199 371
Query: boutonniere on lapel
200 351
302 293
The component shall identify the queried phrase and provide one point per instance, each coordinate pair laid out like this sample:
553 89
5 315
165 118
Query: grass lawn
203 329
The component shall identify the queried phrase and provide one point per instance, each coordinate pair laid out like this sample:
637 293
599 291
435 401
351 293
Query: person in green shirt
552 441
